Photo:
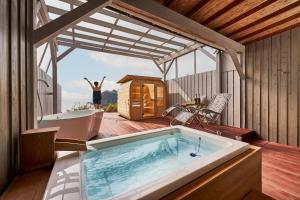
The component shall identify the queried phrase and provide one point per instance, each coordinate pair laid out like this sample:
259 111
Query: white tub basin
81 125
145 165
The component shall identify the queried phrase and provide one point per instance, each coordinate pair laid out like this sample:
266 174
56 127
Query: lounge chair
213 111
207 115
171 109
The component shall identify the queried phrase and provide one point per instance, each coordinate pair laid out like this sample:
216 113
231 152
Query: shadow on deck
113 125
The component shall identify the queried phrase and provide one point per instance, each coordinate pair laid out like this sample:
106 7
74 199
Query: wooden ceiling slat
286 16
230 6
270 16
265 28
278 5
197 7
241 8
272 31
183 6
209 9
244 15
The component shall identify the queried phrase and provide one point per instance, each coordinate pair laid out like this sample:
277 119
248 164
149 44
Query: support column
218 74
165 70
54 76
31 67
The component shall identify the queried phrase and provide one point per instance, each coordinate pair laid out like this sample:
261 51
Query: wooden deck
114 125
280 163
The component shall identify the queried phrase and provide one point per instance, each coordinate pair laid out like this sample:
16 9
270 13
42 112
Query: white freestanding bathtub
81 125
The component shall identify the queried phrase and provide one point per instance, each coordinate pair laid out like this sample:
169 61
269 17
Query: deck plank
280 163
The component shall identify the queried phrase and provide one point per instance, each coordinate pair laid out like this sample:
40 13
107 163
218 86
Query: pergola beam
64 54
208 54
99 49
180 53
158 66
103 47
236 62
101 33
62 23
43 55
159 15
92 38
54 76
167 68
122 17
91 20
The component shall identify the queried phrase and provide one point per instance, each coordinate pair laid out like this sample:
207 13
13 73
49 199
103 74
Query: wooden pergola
141 29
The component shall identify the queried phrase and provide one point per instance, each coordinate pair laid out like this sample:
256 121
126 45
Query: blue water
114 170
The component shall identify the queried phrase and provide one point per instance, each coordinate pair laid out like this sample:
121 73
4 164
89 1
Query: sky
94 65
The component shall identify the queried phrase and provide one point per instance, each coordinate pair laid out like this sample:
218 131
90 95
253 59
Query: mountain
109 97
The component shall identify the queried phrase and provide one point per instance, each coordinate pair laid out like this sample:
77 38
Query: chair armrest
205 110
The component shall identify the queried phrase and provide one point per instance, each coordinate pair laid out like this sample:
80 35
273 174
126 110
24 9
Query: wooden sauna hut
141 97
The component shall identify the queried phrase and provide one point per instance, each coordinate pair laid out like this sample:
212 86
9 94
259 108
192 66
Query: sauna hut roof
135 77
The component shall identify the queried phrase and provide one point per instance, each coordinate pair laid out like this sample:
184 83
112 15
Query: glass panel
148 100
136 96
181 40
160 96
186 65
204 63
132 26
172 72
160 34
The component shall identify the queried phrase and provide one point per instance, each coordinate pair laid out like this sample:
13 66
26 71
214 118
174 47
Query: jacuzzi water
114 170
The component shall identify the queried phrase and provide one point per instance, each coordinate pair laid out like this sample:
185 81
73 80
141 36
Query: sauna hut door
148 100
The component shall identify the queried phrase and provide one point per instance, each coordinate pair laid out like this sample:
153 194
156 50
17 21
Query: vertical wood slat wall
15 79
273 87
230 83
46 98
184 89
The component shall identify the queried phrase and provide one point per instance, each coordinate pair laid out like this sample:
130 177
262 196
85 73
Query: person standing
96 92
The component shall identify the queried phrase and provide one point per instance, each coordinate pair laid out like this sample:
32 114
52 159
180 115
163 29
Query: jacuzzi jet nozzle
196 153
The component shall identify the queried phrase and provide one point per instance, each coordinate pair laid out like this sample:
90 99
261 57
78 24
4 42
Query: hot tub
81 125
145 165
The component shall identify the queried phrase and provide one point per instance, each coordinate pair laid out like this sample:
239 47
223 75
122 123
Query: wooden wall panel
275 64
230 90
15 24
257 86
236 99
249 85
5 147
224 88
230 83
184 89
265 88
46 94
293 100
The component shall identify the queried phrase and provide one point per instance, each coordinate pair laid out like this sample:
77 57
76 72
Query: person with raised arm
96 92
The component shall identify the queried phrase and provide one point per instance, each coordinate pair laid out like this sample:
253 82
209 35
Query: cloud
83 86
122 61
69 99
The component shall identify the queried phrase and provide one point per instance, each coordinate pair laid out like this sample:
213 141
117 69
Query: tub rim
168 183
72 117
